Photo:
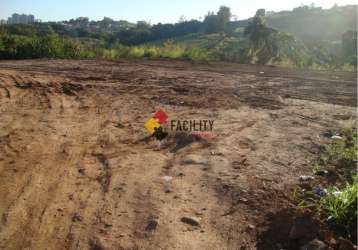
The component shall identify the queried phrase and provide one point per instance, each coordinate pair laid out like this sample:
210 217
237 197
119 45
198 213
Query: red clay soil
78 170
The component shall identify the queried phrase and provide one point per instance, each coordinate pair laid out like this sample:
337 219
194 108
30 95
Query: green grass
205 41
339 208
342 153
167 50
198 47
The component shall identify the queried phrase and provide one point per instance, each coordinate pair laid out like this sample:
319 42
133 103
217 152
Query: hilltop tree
261 12
217 23
257 31
106 22
224 14
81 21
143 25
211 23
270 45
262 38
182 19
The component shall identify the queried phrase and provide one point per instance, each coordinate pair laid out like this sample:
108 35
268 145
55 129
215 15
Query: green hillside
313 25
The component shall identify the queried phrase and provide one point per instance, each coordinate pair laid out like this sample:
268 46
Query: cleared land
78 170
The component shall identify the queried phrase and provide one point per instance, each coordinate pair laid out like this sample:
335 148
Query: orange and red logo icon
154 124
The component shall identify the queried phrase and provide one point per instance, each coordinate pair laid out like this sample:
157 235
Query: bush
72 49
49 47
136 52
151 52
339 208
52 46
167 50
336 204
196 54
342 152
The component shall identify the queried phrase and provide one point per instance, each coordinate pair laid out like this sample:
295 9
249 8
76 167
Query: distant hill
313 25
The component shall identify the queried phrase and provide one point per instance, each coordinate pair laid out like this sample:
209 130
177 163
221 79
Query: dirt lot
78 170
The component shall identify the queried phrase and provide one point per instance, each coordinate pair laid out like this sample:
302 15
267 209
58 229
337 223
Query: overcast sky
149 10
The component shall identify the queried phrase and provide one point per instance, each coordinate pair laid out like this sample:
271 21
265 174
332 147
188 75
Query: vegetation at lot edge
336 204
283 38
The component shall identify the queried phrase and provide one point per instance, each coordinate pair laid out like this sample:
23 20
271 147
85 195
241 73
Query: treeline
143 32
215 38
310 24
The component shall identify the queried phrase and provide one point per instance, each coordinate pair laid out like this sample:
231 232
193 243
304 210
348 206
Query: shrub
72 49
339 208
151 52
136 52
342 152
336 204
196 54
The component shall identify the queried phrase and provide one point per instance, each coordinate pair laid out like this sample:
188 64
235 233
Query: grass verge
332 193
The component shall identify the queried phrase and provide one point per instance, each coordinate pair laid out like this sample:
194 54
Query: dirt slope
78 171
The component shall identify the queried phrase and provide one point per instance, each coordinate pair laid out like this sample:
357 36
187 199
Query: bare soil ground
78 171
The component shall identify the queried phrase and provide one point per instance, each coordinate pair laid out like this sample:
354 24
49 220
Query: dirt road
78 170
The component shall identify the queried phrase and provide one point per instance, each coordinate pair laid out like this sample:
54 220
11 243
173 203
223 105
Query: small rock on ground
190 220
152 225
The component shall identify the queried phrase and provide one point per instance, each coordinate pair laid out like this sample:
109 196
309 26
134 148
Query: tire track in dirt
99 182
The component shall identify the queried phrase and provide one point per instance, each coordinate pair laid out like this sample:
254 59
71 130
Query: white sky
149 10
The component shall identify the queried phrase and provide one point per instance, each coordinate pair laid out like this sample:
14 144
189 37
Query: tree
211 23
261 12
106 22
349 47
182 19
143 25
263 43
256 31
217 23
270 45
223 16
82 21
